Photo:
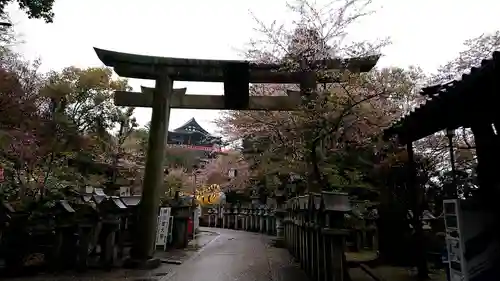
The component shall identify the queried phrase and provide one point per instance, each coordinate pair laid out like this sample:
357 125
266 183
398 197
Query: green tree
35 9
34 143
87 98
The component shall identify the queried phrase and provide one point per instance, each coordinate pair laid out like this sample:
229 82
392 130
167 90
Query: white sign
124 191
162 229
196 222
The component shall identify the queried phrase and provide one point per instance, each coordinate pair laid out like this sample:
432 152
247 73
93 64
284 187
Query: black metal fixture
450 134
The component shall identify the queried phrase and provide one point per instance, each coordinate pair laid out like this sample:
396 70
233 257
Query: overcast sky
424 32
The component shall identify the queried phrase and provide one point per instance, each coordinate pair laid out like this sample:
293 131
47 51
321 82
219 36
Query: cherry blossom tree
229 170
340 116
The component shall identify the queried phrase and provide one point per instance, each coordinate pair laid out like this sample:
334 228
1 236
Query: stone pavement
230 256
204 237
238 256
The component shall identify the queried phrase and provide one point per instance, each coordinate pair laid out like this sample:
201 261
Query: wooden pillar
143 247
487 151
302 244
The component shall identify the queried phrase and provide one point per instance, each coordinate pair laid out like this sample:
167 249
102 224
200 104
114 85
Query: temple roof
190 127
454 104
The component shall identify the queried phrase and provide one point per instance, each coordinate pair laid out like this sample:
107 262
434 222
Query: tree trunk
416 200
316 183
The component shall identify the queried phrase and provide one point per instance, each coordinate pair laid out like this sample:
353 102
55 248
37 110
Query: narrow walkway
237 255
231 256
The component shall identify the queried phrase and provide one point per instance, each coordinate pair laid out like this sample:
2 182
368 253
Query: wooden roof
459 103
191 123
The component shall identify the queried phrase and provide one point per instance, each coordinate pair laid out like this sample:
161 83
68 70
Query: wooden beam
180 100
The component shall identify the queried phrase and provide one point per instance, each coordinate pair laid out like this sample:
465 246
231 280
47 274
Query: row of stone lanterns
311 227
249 218
315 233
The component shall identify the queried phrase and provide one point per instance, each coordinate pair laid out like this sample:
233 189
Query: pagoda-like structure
192 136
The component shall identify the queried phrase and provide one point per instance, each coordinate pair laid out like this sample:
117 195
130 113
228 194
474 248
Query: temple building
192 136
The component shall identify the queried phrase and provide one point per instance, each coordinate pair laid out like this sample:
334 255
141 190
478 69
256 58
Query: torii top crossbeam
183 69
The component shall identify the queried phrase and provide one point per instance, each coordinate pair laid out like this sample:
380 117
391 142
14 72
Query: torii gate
236 76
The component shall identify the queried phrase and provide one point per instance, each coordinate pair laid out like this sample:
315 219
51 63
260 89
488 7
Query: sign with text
163 228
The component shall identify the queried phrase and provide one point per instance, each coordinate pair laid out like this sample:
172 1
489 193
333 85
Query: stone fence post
295 228
315 233
243 214
336 204
231 217
225 216
261 219
252 218
271 219
317 221
288 225
236 216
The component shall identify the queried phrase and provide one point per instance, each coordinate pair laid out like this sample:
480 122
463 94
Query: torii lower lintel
180 100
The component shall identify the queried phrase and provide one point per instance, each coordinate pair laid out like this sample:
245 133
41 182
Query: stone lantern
260 218
271 223
335 204
295 227
336 201
314 237
210 213
279 215
181 212
225 216
255 221
216 216
236 216
243 214
303 206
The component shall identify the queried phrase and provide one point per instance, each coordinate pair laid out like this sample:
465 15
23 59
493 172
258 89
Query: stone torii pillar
153 174
236 76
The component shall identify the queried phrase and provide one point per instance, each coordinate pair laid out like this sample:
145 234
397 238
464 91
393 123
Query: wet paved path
238 256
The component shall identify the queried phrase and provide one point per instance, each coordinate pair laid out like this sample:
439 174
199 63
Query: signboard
163 229
125 191
471 241
211 199
196 216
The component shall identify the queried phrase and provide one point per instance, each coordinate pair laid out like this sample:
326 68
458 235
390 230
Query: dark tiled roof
453 104
191 123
